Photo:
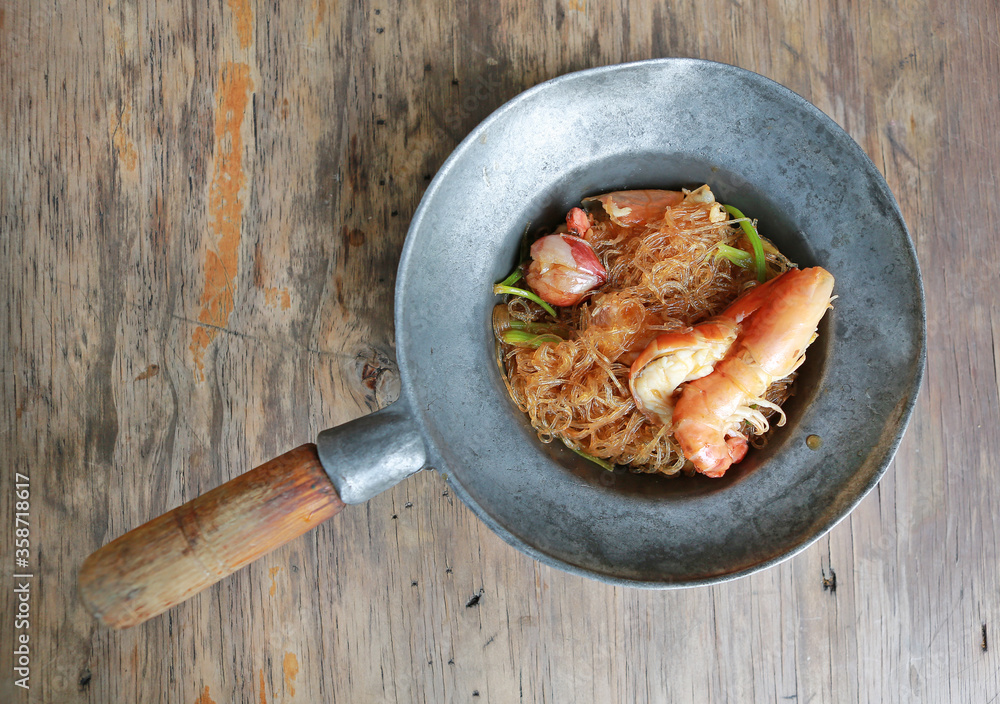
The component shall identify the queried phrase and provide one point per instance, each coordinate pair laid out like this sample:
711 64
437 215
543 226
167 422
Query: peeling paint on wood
243 17
204 697
290 668
225 211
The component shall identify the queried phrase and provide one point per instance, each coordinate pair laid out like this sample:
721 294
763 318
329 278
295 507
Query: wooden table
201 212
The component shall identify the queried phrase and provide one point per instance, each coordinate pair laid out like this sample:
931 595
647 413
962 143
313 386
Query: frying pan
663 123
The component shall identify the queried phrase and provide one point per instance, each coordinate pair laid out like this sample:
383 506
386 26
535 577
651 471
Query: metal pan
662 123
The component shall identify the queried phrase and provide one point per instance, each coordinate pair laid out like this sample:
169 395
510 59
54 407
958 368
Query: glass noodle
569 372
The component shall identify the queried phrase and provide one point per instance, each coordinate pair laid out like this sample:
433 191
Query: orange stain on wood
244 20
291 668
127 154
225 209
277 297
263 692
151 371
119 41
204 698
274 585
319 7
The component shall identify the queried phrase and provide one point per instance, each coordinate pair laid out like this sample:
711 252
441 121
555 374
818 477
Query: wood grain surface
202 207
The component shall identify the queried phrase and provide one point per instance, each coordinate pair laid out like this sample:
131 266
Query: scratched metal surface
201 214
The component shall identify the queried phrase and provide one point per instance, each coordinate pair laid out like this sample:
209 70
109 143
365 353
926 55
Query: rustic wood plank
201 214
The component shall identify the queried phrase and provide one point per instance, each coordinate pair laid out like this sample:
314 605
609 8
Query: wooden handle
170 558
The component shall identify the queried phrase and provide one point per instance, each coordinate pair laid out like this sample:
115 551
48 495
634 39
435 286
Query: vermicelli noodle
662 276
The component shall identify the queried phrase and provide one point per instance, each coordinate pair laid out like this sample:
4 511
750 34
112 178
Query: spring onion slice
513 278
520 338
736 256
540 328
596 460
514 291
751 232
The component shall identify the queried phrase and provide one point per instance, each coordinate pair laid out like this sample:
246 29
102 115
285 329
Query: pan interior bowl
664 123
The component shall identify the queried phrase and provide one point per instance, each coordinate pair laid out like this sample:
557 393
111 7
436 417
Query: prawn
770 346
627 208
648 206
674 358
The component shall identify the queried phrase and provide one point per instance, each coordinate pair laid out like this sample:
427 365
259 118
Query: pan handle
173 557
373 453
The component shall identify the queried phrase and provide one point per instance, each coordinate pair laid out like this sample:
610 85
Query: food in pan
656 329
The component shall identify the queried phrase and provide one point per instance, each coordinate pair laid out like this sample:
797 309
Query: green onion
520 338
751 232
540 328
513 278
738 257
596 460
503 288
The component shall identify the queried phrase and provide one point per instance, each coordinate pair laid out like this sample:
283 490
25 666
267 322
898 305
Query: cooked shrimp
674 358
771 346
627 208
677 357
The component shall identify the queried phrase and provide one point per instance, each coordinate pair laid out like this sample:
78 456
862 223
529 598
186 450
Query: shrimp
770 346
628 208
675 358
647 207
